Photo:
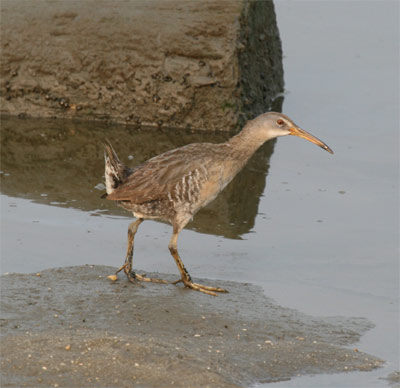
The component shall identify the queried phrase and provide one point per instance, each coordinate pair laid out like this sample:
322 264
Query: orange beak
296 131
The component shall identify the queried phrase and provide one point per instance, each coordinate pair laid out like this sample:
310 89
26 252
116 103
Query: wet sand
73 327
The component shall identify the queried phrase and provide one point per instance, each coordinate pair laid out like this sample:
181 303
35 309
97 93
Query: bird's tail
115 171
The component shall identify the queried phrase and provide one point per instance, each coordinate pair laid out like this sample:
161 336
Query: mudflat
73 327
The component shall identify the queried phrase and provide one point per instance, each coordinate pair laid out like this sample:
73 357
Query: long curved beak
296 131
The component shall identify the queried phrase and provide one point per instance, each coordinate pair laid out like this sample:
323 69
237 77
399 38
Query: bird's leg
127 267
185 277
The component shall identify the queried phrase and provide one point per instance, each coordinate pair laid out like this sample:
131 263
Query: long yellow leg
132 229
127 267
185 277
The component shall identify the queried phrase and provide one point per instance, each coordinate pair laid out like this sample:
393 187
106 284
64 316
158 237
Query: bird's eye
280 122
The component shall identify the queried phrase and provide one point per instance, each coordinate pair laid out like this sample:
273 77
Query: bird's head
273 124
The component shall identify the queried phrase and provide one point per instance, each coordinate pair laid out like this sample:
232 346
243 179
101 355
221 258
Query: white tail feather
115 171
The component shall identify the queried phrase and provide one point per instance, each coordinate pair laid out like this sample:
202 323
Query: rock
113 278
203 64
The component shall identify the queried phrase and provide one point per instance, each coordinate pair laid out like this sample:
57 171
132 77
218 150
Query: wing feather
158 176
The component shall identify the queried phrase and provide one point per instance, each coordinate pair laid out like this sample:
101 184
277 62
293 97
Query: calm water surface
319 232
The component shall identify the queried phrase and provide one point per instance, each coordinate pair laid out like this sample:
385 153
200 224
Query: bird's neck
247 141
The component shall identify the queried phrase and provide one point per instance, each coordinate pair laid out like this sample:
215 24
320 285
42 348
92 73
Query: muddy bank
202 64
74 320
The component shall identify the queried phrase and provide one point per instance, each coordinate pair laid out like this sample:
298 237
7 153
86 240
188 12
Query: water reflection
61 163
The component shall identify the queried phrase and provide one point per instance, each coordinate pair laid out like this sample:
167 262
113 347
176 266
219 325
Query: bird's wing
156 178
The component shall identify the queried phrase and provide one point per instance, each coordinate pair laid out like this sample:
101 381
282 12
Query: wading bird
175 185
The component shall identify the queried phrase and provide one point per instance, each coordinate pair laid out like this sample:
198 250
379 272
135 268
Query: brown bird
175 185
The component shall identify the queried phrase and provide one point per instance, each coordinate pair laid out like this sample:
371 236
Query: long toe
208 288
205 289
143 278
123 267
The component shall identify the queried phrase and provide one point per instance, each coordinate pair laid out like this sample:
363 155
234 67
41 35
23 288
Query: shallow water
320 231
61 163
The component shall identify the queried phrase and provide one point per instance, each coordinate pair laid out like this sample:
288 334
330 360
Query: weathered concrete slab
72 327
179 63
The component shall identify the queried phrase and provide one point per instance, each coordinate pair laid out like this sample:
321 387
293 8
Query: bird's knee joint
188 277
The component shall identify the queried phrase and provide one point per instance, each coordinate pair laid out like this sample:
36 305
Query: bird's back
181 180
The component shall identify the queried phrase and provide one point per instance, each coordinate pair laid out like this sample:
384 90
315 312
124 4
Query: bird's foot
127 267
133 277
143 278
199 287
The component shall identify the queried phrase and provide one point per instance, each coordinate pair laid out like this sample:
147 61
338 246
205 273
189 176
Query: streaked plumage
173 186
